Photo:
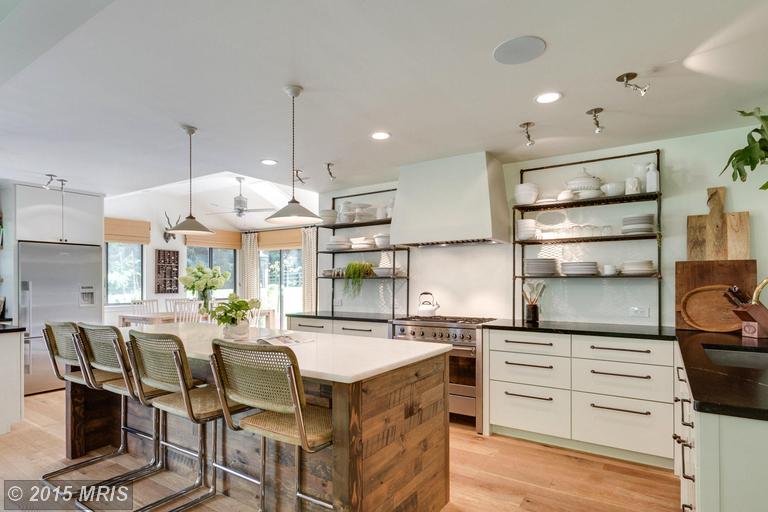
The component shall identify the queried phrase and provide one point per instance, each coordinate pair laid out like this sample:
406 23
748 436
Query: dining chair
267 378
187 311
170 304
143 307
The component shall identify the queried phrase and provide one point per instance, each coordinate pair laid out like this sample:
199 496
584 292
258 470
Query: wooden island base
389 453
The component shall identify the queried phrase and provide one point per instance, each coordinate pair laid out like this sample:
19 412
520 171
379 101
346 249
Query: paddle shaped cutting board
718 235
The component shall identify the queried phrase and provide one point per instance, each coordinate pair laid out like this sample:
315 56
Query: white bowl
381 240
615 188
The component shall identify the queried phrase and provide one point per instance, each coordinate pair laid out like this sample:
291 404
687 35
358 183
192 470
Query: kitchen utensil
615 188
584 182
718 235
706 309
632 186
740 295
428 305
690 275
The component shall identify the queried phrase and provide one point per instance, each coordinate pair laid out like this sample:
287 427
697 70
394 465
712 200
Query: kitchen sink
738 356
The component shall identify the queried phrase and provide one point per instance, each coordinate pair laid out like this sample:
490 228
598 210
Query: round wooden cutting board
707 309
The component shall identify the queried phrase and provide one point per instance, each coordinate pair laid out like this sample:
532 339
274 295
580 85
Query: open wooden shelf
353 251
590 239
366 278
580 203
376 222
618 276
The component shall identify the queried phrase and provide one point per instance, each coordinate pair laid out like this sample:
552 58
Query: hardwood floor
487 474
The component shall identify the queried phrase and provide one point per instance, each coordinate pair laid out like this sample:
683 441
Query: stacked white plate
638 268
579 268
338 243
539 266
363 242
638 224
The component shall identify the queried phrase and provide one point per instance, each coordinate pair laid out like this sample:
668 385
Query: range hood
450 201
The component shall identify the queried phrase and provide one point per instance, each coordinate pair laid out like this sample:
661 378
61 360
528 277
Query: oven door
462 380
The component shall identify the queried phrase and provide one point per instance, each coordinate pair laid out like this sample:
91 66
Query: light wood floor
487 474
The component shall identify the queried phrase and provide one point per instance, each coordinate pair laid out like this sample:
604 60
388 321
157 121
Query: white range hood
457 200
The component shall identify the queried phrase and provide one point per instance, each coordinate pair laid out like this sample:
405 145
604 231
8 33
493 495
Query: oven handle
471 350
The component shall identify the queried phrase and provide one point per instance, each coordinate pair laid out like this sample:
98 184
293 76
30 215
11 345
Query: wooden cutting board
690 275
718 235
707 309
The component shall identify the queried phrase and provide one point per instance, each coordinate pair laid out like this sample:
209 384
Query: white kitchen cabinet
297 323
643 381
11 379
629 350
532 408
625 423
357 328
48 216
531 342
531 369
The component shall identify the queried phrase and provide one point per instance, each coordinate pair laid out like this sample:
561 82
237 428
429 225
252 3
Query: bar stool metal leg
300 495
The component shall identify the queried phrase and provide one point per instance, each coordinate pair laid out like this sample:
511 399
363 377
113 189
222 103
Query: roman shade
127 231
280 239
218 240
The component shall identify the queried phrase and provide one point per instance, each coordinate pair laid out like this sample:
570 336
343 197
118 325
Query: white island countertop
332 357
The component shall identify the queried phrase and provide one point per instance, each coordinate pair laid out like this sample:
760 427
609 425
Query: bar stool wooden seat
267 378
159 361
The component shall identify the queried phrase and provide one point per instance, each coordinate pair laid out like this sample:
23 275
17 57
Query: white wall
477 280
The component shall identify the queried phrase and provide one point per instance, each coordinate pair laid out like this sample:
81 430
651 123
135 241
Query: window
226 259
125 263
281 282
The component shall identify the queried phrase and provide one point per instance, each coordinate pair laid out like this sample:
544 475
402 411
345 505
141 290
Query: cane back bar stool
60 342
267 377
159 361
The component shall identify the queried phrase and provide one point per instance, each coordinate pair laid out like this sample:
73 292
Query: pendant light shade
293 214
190 225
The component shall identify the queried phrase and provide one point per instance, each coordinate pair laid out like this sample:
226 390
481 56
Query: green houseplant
754 153
202 280
354 274
233 315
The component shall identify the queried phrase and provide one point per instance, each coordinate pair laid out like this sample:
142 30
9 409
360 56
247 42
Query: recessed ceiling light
269 161
380 135
519 50
548 97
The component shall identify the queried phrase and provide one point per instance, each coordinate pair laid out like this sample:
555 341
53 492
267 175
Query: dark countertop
5 328
344 315
613 330
720 389
6 319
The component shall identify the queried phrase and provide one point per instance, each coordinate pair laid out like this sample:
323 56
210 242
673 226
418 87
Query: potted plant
202 280
233 315
354 274
754 153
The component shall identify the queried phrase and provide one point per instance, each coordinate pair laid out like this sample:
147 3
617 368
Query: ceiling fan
241 204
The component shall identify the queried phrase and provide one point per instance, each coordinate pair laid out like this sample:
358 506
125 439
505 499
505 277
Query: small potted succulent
233 315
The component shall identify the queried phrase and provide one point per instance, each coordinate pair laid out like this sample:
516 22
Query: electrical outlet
337 302
639 311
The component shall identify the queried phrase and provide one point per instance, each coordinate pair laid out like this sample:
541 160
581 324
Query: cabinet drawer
531 369
531 342
636 425
642 381
369 329
310 324
630 350
536 409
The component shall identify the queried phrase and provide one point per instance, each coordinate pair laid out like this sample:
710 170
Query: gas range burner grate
448 319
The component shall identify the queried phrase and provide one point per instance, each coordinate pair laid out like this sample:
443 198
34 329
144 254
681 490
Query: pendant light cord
190 172
293 148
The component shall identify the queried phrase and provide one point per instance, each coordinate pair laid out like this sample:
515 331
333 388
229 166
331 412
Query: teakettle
427 304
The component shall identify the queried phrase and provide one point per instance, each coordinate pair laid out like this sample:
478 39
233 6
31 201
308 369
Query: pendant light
190 225
293 214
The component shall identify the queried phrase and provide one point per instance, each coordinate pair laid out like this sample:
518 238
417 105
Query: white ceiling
94 90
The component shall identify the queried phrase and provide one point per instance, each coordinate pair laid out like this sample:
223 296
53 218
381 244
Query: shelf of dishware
373 249
345 225
366 278
589 239
591 276
597 201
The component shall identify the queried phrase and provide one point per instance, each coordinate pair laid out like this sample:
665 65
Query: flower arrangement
233 315
203 280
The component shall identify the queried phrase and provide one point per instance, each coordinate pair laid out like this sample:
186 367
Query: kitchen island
390 423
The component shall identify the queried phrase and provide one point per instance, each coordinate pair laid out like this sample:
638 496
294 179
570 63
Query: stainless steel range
465 386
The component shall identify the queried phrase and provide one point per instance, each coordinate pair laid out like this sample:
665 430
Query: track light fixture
62 182
594 112
627 78
328 166
50 177
527 126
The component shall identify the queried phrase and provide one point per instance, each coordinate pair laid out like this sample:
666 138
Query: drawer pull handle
542 344
642 413
684 401
645 351
683 472
544 366
312 326
356 330
686 507
646 377
678 374
547 399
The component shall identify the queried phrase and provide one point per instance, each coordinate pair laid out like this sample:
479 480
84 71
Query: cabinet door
38 214
83 218
356 328
297 323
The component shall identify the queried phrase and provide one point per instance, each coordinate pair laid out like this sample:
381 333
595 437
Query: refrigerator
57 282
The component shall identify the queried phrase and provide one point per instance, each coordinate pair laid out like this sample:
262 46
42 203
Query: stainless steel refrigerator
57 282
